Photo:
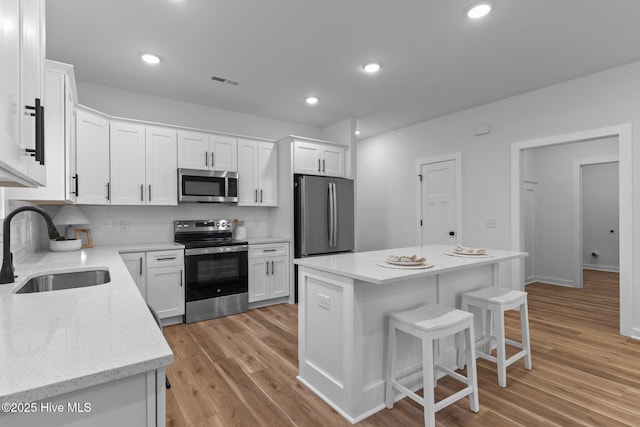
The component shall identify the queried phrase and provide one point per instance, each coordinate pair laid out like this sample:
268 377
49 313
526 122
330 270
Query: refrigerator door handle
335 215
303 244
330 214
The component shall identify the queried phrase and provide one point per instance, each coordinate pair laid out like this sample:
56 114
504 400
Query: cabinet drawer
268 250
168 258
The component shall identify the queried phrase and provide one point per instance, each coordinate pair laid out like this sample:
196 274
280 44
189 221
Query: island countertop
60 341
364 266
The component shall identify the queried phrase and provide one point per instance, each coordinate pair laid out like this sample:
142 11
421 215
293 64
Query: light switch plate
490 223
324 301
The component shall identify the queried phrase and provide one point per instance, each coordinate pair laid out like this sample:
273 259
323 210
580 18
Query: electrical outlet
490 223
124 226
324 301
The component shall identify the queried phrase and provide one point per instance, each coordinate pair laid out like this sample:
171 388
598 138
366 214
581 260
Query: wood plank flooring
240 370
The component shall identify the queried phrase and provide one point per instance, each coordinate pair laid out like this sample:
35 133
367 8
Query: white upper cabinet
92 158
59 130
311 158
257 173
143 165
127 163
21 67
205 151
161 166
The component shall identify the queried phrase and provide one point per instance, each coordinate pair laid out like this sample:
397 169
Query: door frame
457 157
577 210
624 134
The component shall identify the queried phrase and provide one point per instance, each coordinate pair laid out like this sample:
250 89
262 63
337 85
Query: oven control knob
186 225
179 225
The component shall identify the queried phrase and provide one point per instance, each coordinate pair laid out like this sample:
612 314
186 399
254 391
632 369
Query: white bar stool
429 323
494 300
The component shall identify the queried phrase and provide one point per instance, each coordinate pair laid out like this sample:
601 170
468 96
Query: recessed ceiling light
479 10
150 59
357 132
312 100
372 67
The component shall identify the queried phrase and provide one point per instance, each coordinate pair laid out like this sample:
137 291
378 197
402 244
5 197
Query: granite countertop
363 265
60 341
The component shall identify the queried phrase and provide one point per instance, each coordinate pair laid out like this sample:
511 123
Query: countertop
266 240
60 341
363 265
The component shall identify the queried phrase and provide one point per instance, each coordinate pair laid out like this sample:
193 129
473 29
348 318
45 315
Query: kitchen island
86 356
343 300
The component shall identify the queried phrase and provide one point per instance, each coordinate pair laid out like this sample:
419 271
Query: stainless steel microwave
207 186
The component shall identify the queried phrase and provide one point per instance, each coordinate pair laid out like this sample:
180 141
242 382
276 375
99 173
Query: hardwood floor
240 370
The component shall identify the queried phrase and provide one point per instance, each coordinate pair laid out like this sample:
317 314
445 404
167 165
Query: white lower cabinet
268 271
159 276
136 263
137 400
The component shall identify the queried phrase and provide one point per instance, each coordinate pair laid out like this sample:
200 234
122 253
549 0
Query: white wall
552 169
134 105
600 214
24 229
386 162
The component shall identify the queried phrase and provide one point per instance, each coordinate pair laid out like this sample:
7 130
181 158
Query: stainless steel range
216 266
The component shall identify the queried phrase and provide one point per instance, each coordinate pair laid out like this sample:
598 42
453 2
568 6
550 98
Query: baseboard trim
554 281
609 268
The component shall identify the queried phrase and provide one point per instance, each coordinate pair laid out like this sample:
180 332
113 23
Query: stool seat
493 301
496 295
432 317
429 323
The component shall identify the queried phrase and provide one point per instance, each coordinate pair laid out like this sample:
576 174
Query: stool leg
391 362
472 377
524 328
460 346
427 375
487 315
500 344
436 358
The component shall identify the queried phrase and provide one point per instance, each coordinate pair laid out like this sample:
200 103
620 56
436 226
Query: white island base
343 301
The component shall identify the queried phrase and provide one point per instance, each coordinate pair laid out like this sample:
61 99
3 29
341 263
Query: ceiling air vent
223 80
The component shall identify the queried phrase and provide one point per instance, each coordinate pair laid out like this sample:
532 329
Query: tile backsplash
116 225
24 229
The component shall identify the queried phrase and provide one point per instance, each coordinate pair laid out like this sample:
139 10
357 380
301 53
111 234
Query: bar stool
494 300
429 323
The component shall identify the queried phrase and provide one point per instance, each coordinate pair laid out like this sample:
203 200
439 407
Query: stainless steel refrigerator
323 215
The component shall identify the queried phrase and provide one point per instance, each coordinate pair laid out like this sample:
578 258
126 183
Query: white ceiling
435 60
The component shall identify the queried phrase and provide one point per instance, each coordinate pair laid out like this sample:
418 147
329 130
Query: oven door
216 272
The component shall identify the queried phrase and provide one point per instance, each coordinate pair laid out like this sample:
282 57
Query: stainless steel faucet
7 272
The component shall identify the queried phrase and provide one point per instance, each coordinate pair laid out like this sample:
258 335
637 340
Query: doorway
623 134
439 208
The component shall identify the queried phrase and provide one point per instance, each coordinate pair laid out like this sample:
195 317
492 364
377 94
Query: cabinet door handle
318 165
180 278
77 184
267 265
140 266
149 192
256 196
38 151
272 271
322 165
108 191
212 163
142 192
260 196
206 158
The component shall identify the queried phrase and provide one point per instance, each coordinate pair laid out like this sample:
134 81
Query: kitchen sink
66 280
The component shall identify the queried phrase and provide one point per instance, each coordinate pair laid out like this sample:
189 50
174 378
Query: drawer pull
269 250
166 259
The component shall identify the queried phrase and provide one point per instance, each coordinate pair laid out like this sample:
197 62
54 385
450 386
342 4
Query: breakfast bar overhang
343 301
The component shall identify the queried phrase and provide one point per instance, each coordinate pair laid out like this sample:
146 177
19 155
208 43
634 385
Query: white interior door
439 202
